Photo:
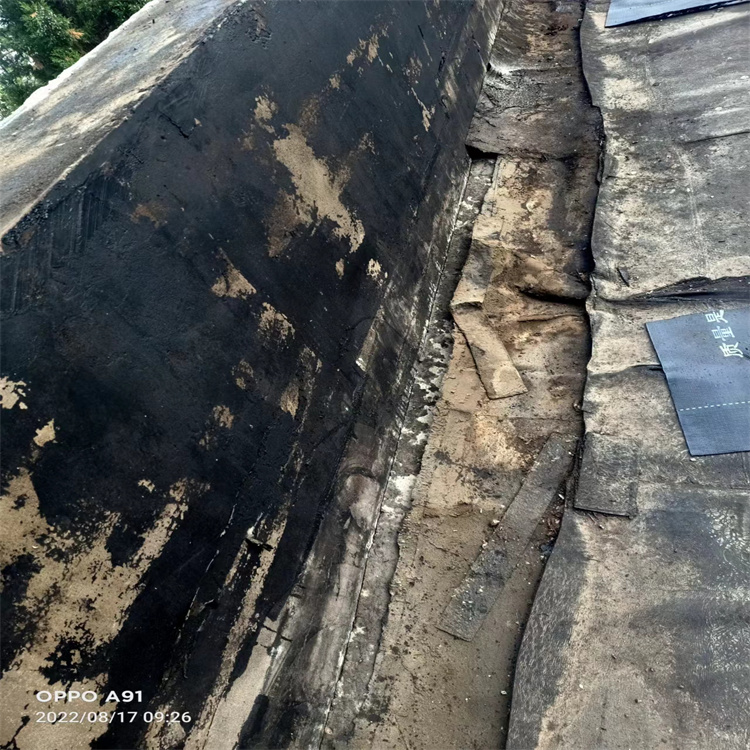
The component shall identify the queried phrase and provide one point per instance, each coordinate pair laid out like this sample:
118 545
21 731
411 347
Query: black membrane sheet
706 358
629 11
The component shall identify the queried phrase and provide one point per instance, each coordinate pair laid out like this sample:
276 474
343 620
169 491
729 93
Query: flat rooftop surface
640 633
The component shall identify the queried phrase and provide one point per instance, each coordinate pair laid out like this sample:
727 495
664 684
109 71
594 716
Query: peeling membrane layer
706 358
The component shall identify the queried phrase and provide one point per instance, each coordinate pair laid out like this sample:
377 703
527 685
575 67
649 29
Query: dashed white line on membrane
712 406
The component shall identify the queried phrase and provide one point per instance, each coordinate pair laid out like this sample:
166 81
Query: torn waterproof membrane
706 358
629 11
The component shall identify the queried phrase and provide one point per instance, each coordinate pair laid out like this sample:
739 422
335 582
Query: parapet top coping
62 122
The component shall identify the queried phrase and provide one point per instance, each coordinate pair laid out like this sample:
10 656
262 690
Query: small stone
494 522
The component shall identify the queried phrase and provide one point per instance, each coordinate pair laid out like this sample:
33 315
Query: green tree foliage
40 38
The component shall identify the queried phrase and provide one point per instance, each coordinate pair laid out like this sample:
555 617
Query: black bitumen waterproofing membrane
629 11
706 358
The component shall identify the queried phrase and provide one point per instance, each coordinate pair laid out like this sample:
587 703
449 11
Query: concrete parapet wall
214 288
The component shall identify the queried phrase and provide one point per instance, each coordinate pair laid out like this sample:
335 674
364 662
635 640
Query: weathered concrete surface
639 634
62 122
208 336
405 683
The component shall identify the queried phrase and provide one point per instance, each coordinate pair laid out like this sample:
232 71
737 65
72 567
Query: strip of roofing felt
493 567
630 11
706 358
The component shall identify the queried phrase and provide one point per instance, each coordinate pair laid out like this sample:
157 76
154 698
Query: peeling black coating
110 319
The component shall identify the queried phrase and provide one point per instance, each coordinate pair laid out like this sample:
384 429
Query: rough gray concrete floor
405 683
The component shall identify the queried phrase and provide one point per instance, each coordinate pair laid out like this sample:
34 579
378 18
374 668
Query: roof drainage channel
486 486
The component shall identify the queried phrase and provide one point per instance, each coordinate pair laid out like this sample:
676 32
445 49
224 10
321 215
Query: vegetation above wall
40 38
